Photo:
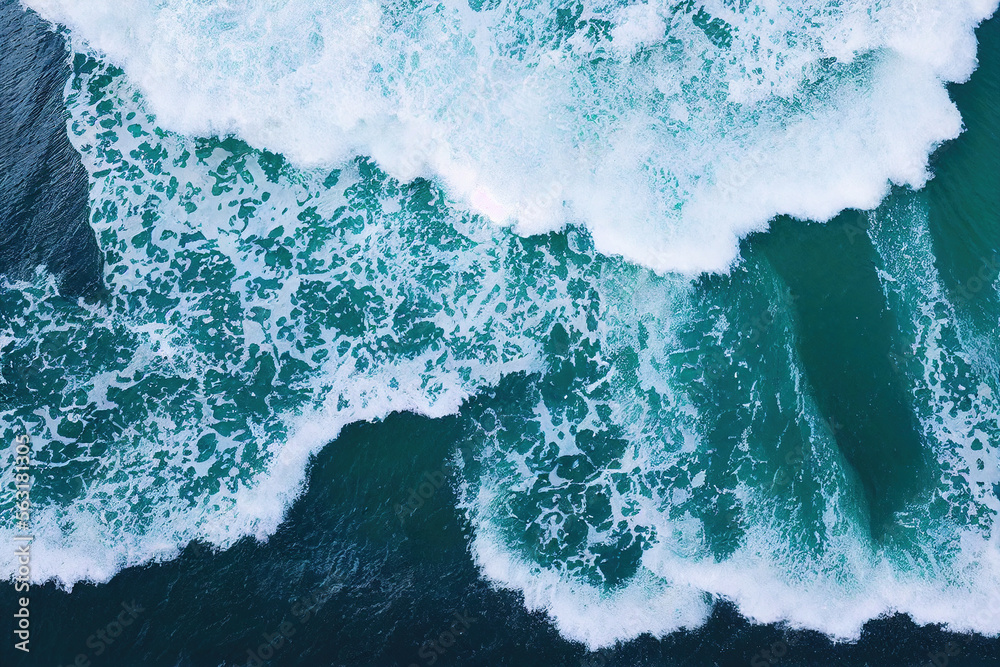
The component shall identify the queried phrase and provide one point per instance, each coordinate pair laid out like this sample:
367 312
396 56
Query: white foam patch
668 131
616 135
802 553
951 580
770 578
956 402
590 614
254 311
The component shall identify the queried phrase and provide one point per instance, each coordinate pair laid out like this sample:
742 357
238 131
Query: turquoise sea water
633 411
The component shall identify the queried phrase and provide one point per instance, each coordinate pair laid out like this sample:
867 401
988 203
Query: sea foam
667 133
670 130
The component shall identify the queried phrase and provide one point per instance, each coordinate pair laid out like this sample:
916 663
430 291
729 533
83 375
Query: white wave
141 408
803 554
668 132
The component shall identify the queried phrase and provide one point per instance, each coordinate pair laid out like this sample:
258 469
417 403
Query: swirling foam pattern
659 445
668 129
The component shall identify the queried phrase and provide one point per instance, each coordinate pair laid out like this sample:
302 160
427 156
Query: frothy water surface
665 441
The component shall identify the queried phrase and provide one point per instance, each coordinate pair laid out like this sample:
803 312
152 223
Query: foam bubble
706 472
254 310
670 130
666 451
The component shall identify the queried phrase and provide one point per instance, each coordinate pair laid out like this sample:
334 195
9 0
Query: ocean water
630 333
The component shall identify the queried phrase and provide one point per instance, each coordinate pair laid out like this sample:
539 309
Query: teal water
809 436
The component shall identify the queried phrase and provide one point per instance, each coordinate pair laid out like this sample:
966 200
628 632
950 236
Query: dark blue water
43 210
376 594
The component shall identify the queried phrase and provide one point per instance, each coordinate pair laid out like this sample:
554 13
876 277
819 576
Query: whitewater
670 130
314 214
